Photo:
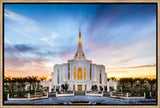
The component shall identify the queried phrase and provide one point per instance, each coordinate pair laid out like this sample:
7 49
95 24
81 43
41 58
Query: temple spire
79 54
79 49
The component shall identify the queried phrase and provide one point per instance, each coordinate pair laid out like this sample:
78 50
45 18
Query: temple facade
79 73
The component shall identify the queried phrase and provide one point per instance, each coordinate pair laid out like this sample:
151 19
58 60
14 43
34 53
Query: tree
25 80
151 82
38 81
43 78
63 87
131 81
95 87
101 88
113 78
66 86
141 82
105 88
34 79
108 79
12 82
122 81
6 81
30 80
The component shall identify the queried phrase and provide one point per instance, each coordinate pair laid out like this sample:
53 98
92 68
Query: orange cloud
143 66
38 63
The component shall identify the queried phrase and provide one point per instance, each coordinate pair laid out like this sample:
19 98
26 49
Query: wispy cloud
39 63
22 25
143 66
18 18
49 40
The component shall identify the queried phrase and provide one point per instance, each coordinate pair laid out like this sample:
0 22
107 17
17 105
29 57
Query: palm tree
43 78
122 81
151 82
13 81
24 80
8 80
34 79
132 81
30 80
113 78
141 82
18 80
38 81
5 81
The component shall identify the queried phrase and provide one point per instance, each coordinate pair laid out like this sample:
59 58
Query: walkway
66 100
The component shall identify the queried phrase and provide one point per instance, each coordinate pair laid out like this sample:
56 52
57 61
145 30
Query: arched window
68 70
79 73
74 73
73 87
84 73
58 76
100 76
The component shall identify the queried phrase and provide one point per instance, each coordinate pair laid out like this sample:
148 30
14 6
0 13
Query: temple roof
79 54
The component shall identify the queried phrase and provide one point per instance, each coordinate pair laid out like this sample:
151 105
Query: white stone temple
79 73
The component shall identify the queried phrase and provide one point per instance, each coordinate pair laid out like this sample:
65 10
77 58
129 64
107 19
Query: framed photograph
74 53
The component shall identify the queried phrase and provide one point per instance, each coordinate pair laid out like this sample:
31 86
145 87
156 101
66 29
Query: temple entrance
79 73
79 87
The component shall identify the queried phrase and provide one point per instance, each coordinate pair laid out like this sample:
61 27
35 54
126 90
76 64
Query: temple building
79 73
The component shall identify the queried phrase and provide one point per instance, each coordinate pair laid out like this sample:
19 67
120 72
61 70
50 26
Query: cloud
18 48
24 54
15 62
21 24
39 63
116 71
142 66
18 18
49 40
24 48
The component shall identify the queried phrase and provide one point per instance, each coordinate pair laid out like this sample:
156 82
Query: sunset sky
120 36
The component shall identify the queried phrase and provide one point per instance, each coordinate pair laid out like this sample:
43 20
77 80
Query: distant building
79 72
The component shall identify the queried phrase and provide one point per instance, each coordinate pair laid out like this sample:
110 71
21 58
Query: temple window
74 73
58 76
79 73
100 77
84 73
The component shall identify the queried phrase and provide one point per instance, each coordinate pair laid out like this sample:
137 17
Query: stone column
83 87
60 88
108 90
76 88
